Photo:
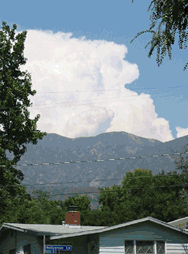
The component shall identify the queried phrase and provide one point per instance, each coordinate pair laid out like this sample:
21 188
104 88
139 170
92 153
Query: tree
38 210
17 128
182 164
29 212
82 202
11 206
169 206
174 15
141 195
126 202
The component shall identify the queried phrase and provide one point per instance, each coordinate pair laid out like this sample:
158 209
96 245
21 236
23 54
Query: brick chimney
72 217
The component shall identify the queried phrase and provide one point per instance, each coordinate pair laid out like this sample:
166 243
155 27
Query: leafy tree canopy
16 128
182 165
174 15
142 195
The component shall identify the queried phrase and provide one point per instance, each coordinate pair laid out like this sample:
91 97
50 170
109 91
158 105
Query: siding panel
111 250
112 242
171 249
175 248
21 239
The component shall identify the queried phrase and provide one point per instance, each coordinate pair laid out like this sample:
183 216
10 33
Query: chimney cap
63 223
72 208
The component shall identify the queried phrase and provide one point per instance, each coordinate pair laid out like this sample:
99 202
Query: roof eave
95 231
5 225
120 226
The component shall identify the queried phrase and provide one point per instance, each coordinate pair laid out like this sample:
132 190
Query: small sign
55 248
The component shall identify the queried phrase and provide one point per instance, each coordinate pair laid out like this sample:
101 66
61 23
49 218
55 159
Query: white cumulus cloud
88 123
80 88
181 132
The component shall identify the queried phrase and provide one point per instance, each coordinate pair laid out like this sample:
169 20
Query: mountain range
54 148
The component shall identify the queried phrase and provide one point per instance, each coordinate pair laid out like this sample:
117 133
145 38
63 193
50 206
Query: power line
93 99
142 88
60 194
97 180
88 161
84 104
69 162
90 180
95 102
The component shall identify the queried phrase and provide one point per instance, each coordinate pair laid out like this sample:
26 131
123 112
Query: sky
90 79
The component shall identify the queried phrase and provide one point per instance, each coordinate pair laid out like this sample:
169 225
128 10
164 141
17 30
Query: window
27 249
160 247
144 247
11 233
129 247
13 251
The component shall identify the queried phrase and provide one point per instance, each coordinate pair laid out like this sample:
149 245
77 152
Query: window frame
27 249
155 246
143 241
125 246
159 241
12 251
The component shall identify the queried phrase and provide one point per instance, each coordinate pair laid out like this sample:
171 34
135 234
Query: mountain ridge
54 148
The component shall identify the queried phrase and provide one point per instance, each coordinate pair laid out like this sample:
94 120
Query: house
180 223
146 235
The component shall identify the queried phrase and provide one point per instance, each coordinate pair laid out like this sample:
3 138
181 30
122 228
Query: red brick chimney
72 217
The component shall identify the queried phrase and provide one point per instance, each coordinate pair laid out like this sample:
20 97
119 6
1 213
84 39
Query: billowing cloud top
80 88
181 132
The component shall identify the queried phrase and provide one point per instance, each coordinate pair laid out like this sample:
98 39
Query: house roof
60 231
130 223
45 229
185 219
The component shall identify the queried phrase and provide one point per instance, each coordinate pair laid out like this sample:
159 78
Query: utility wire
91 192
93 99
141 88
102 180
69 162
76 105
93 102
2 186
89 161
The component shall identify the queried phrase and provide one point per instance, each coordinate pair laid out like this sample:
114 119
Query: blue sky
74 46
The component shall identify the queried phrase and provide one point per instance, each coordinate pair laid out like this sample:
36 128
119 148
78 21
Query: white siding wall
170 249
177 248
21 239
112 250
112 242
108 245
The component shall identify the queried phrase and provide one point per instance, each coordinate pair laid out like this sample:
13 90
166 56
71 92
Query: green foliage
182 165
139 197
135 199
17 128
83 204
174 15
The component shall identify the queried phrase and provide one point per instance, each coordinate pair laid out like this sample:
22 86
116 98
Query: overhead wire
91 192
76 105
141 88
92 102
96 179
33 106
93 160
